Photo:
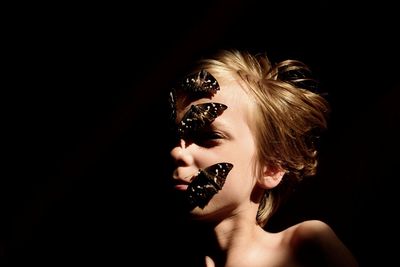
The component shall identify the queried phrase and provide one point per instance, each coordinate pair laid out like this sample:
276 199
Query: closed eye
207 138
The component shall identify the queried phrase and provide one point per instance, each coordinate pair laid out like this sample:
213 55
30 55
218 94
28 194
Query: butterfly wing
199 116
172 106
207 183
299 75
201 82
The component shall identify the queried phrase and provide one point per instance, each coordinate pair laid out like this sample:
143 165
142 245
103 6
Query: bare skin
236 238
310 243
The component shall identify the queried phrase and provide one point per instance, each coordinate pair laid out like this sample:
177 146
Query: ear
271 177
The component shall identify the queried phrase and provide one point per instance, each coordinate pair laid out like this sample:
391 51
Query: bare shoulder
313 231
317 244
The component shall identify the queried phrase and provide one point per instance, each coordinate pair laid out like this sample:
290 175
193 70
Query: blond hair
287 116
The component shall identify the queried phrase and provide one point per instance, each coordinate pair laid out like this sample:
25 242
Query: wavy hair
288 115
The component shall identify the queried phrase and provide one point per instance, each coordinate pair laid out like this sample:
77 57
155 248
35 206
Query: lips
182 181
181 184
181 187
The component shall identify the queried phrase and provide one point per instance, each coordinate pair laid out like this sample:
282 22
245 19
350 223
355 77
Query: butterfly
199 116
207 183
299 75
172 106
201 82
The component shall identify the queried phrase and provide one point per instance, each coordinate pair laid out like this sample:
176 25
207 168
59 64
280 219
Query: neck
232 236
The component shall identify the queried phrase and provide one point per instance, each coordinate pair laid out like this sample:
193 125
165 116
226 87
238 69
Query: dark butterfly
199 116
201 82
207 183
299 75
197 85
172 106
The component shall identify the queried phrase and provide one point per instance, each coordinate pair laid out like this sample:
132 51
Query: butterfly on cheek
207 183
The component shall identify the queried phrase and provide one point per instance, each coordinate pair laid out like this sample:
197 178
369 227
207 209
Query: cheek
241 179
205 157
243 172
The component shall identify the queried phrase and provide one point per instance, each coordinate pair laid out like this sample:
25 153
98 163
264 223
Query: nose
181 154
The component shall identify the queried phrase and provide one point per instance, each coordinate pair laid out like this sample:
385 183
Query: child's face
228 139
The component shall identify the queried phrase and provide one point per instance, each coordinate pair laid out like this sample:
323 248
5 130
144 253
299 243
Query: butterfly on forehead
199 116
200 82
198 85
207 183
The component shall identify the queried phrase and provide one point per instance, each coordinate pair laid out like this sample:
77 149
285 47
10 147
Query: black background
85 159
